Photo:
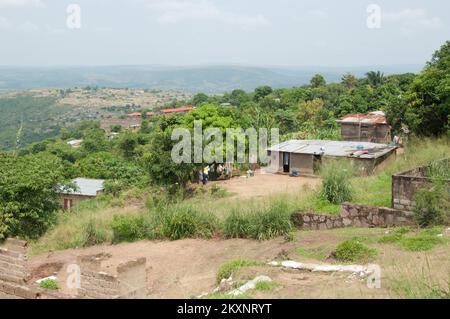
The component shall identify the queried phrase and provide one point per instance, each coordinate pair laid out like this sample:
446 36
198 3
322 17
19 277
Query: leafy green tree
318 80
428 111
95 141
200 99
261 92
159 164
28 194
127 144
349 80
238 97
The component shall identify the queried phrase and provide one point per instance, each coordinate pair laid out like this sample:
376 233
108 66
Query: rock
347 222
250 285
345 213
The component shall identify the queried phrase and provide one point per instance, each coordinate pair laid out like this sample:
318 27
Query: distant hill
208 79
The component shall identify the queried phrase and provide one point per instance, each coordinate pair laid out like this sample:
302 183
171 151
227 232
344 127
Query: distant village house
85 189
371 127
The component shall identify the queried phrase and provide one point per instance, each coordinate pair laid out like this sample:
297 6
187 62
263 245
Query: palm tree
375 78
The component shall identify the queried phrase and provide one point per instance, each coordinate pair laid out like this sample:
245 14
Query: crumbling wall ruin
126 281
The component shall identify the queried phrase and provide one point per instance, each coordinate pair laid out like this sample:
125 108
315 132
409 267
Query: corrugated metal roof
332 148
86 187
371 118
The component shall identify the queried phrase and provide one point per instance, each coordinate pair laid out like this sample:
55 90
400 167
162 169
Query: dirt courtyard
188 268
262 185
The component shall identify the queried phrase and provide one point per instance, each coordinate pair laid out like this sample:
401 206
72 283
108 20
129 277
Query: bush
396 236
128 228
227 269
49 284
432 205
183 222
273 222
336 186
353 250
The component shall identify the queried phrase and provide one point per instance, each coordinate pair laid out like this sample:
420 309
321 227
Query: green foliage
93 235
37 115
128 228
229 268
354 251
217 191
49 284
318 80
28 194
266 285
420 241
428 108
177 222
261 225
432 205
336 186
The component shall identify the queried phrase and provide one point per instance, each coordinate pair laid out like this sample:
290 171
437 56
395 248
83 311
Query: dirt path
262 185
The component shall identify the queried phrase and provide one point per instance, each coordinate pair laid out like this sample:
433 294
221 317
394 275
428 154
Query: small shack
371 127
306 156
85 188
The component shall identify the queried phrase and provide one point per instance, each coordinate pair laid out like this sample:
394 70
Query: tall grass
336 186
261 225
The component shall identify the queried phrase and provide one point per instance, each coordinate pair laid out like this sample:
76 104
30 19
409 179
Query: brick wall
128 281
353 215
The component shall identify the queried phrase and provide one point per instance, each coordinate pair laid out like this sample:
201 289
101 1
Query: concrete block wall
353 215
130 282
406 184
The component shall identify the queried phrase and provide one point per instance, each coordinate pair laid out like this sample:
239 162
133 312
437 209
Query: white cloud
28 27
4 23
413 19
318 13
175 11
21 3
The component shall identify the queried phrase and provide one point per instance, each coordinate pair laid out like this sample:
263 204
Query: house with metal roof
306 156
84 189
371 127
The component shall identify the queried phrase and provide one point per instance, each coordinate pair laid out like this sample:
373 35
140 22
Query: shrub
93 235
49 284
229 268
336 186
183 222
128 228
432 205
353 250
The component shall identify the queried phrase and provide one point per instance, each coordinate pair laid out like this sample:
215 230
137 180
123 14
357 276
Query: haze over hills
208 79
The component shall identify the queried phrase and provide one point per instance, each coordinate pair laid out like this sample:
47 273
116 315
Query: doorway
286 162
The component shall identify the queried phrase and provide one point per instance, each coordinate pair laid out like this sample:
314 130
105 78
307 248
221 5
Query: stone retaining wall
353 215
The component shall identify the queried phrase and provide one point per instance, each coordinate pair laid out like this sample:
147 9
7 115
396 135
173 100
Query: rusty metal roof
370 118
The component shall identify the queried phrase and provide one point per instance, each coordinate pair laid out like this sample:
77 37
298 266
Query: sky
221 32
